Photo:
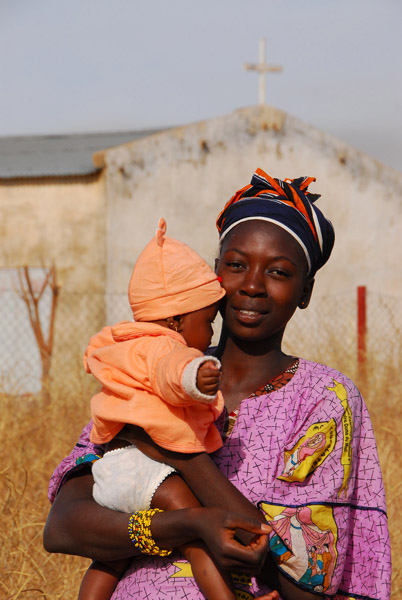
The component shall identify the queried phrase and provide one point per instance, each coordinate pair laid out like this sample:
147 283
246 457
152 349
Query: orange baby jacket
140 367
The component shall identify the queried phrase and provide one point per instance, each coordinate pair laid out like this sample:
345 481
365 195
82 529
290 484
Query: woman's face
264 273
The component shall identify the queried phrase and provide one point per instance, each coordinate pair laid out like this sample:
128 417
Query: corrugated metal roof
58 155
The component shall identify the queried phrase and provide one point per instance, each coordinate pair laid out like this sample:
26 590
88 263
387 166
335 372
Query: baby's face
196 327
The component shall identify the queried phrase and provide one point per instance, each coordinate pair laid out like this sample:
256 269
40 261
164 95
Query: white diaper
126 479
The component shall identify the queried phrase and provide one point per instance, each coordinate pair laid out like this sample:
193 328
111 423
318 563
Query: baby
155 375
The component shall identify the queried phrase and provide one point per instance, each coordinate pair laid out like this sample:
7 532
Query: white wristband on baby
189 378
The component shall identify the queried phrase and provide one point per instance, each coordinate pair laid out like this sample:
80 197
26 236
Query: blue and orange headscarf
287 204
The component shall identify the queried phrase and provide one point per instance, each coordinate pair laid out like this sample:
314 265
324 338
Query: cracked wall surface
187 174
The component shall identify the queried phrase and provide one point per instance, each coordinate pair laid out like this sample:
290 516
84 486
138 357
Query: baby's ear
171 323
174 323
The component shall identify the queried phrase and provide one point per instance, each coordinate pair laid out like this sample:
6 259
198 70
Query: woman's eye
234 265
278 272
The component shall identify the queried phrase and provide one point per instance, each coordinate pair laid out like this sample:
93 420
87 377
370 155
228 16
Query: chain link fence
325 332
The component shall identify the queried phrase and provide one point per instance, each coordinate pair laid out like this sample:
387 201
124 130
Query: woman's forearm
78 525
212 488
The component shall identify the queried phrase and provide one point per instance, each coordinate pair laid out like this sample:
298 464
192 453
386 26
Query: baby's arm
208 378
201 377
173 376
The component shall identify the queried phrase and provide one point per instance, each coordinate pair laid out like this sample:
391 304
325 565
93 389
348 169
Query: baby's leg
100 580
174 494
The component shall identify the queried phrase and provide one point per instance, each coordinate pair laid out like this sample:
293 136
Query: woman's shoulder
320 376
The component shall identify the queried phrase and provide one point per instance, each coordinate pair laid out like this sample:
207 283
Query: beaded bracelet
139 531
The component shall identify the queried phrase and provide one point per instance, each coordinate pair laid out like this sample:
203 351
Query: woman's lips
248 315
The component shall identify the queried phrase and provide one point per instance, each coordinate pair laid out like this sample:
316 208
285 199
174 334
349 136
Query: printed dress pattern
306 455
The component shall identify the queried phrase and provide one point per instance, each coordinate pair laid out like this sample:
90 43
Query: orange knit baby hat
170 279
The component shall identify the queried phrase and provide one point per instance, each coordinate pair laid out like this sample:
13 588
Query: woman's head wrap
289 205
170 279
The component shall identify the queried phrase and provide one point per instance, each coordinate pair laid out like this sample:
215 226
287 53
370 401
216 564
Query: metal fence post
361 334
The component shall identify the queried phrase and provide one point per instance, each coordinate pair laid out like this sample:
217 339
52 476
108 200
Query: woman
328 512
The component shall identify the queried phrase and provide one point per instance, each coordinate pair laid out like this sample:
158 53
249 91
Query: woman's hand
218 529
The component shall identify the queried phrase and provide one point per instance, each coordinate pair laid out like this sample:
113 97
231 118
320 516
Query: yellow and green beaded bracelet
139 531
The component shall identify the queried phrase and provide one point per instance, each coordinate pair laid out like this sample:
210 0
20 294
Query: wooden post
361 335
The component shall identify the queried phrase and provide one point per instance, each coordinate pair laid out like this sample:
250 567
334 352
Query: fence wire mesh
325 332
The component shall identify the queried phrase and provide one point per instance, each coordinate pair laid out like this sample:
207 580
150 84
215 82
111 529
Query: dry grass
383 400
33 445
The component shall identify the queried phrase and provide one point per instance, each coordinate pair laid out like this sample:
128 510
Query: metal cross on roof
262 67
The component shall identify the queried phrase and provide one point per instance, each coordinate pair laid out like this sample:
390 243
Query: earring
173 325
302 304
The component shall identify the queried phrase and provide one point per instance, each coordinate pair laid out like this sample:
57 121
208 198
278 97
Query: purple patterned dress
306 455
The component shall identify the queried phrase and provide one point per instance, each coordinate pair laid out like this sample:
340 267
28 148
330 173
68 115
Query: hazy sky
105 65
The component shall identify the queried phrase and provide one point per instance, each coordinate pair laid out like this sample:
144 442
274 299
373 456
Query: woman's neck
246 368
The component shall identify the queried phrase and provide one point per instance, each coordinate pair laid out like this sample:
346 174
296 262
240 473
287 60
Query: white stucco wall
56 221
187 174
44 222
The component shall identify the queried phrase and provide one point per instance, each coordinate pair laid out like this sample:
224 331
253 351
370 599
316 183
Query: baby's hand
208 377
